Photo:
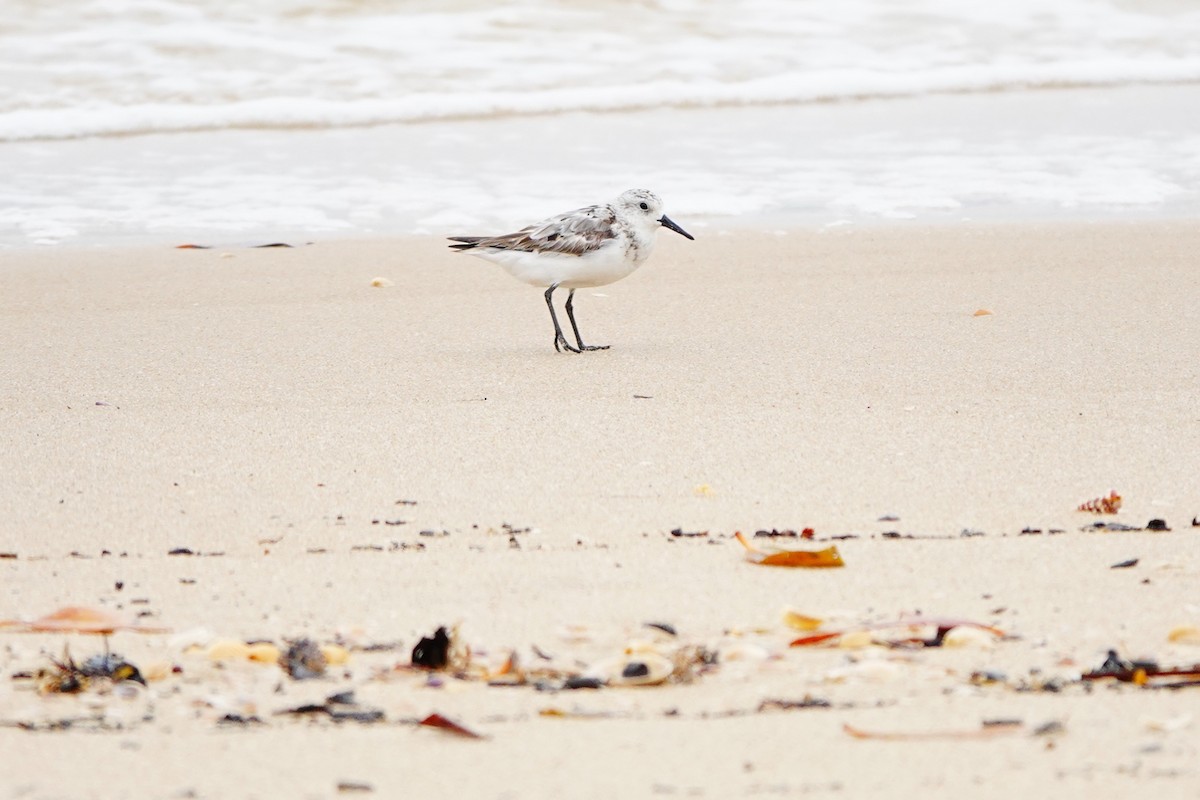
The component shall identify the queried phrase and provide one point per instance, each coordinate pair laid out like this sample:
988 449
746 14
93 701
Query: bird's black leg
560 341
574 327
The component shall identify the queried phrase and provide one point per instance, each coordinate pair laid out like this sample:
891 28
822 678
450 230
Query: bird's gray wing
573 233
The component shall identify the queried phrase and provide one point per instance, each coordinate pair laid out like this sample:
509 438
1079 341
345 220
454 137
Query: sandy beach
361 464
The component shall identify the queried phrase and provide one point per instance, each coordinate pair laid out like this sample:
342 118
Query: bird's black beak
666 222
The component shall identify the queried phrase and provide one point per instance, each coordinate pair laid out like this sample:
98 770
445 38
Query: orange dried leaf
449 726
816 638
1102 505
829 557
78 619
801 622
1184 634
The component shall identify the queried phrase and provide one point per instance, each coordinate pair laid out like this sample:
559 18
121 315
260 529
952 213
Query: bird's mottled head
645 205
640 203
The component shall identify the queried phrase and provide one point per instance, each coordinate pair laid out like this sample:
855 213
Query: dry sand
273 406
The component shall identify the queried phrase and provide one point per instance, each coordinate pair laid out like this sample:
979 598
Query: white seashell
966 636
644 669
641 669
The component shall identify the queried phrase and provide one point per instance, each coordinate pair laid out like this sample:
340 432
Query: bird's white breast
615 259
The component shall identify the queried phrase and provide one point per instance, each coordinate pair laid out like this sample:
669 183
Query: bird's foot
561 343
593 346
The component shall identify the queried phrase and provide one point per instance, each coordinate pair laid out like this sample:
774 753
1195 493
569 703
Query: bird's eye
644 206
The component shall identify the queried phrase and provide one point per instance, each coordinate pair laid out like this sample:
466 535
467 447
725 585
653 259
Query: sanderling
587 247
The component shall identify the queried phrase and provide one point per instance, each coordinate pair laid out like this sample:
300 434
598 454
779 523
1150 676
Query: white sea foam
142 66
136 120
1129 153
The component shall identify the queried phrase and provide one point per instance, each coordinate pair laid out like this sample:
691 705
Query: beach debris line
654 653
786 533
1144 672
339 707
187 551
640 662
1102 505
779 557
1111 527
680 533
864 635
1155 525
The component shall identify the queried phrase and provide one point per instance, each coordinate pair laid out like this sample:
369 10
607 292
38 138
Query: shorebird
587 247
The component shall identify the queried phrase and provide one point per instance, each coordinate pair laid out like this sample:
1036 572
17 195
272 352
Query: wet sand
268 409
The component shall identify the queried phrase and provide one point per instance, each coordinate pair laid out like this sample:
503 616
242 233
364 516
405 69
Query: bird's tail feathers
468 242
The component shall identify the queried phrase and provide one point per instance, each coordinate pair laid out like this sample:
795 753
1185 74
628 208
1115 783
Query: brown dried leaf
450 726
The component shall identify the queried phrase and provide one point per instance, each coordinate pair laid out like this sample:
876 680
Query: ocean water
139 120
